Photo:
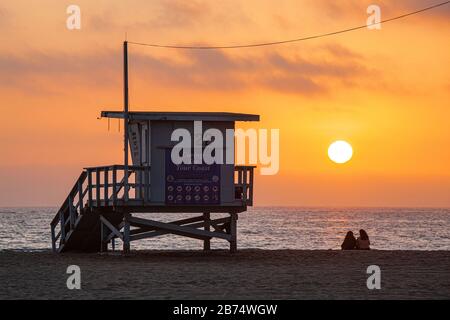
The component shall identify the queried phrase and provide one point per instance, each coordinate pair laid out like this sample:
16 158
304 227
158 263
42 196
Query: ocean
267 228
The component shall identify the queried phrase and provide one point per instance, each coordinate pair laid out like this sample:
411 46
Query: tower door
139 138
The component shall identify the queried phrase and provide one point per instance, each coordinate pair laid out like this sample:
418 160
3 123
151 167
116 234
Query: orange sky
387 92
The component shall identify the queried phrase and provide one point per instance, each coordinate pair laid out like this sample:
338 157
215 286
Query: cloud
180 13
5 17
160 15
211 70
167 15
44 73
352 8
414 5
280 72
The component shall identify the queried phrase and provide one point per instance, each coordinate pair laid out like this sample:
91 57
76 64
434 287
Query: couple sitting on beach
362 243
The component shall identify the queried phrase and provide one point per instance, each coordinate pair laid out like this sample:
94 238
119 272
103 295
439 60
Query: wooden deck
99 210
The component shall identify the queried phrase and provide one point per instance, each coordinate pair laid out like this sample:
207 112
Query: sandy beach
249 274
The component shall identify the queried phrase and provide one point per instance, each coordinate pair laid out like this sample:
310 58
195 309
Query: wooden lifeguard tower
100 206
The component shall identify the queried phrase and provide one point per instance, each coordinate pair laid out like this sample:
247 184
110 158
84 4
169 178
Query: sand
249 274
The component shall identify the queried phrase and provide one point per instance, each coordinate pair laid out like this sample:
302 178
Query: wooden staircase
76 225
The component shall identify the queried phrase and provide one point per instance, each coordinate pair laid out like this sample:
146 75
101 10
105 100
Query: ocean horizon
269 228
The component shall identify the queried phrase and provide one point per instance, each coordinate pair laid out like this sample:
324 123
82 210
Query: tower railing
106 186
243 183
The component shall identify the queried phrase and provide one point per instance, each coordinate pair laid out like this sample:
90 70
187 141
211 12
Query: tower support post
126 233
207 220
104 232
233 232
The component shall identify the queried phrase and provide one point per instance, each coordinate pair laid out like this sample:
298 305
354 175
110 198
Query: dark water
268 228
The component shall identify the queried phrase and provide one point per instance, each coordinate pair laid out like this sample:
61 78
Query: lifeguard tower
100 206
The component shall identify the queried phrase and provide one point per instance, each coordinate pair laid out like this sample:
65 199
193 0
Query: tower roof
182 116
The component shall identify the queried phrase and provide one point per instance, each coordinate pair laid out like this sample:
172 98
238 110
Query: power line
290 40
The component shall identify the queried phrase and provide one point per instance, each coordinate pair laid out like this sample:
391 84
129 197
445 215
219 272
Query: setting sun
340 151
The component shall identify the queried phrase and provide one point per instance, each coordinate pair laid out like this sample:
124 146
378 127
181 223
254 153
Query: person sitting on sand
363 242
349 242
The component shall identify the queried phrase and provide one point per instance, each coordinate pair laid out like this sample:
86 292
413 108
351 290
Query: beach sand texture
249 274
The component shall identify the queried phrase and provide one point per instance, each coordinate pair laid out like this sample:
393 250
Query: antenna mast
125 115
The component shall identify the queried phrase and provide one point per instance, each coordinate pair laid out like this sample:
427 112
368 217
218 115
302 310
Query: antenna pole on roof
125 115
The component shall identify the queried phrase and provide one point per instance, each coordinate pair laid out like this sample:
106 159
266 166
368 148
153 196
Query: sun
340 151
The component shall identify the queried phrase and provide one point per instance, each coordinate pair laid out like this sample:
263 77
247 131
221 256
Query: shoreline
249 274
